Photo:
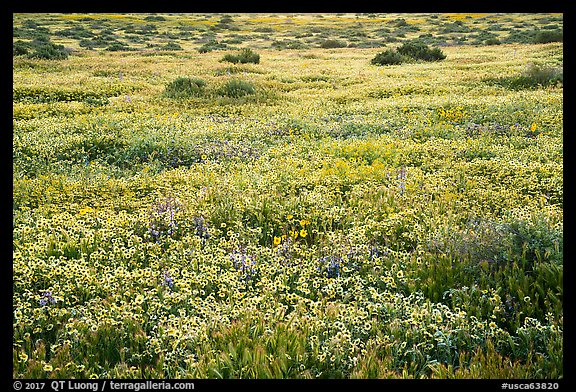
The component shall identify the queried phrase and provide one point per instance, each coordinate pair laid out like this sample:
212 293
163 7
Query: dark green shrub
289 44
520 37
154 18
184 87
420 51
408 50
264 30
332 43
172 46
91 44
48 51
40 48
533 77
245 56
388 57
20 48
399 22
456 27
546 36
236 88
118 46
492 41
212 45
77 32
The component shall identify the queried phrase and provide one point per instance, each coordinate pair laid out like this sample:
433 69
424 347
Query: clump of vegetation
534 76
247 55
332 44
408 51
212 45
155 18
547 36
492 41
388 57
185 87
172 46
236 88
420 51
40 48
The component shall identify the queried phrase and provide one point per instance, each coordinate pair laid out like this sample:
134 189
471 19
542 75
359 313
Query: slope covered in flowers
344 220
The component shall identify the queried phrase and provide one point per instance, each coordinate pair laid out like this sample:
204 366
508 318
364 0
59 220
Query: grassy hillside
307 215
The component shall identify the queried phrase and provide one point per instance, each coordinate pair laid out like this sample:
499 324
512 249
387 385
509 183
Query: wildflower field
181 213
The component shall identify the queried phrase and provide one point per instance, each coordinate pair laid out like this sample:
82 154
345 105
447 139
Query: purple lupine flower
332 264
47 299
167 280
245 264
200 227
163 218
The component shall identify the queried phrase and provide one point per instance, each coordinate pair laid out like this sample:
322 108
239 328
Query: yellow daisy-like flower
303 233
534 127
85 210
48 367
277 241
290 217
23 357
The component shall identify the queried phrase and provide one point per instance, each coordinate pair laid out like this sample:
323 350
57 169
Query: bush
236 88
520 37
77 32
546 36
155 18
184 87
171 46
538 75
118 46
40 48
245 56
48 51
20 48
408 50
389 57
332 43
492 41
212 45
420 51
533 77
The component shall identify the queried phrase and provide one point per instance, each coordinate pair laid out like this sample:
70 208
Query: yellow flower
85 210
534 127
303 233
277 241
23 357
48 367
290 217
304 222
